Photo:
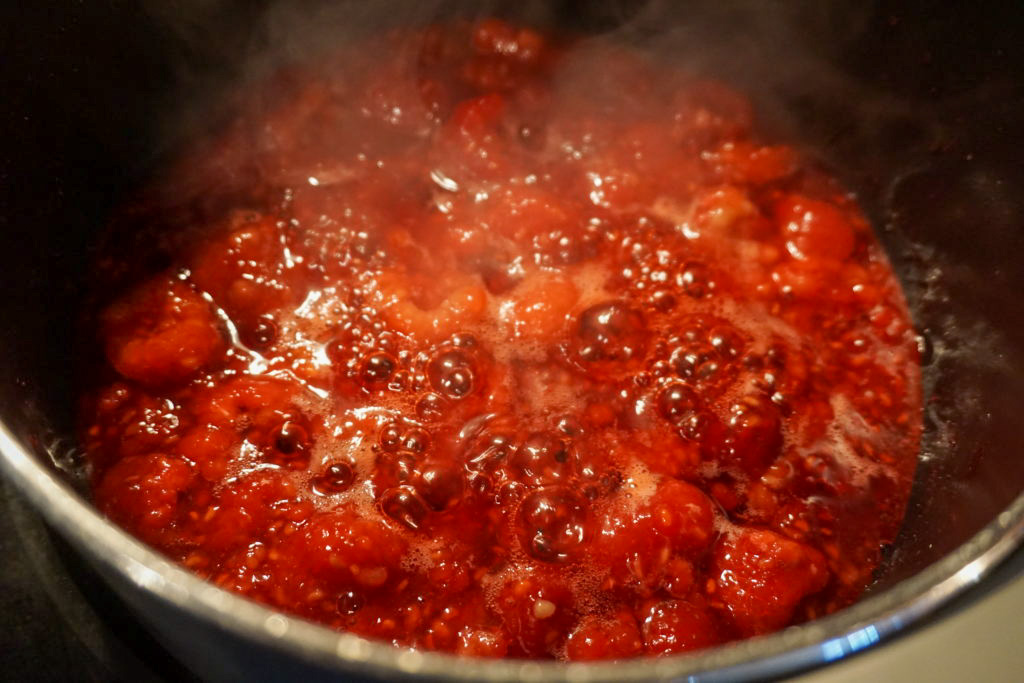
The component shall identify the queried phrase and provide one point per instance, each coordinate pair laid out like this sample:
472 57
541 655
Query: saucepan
918 106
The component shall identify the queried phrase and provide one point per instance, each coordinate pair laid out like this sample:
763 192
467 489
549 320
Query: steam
787 57
783 55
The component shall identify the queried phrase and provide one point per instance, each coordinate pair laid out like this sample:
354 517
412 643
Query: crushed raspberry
477 340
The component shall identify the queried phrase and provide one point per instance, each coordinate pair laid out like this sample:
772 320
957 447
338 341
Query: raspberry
485 342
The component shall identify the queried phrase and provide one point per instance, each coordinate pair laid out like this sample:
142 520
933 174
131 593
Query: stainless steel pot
918 106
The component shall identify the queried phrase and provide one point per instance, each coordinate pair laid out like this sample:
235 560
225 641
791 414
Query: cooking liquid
470 344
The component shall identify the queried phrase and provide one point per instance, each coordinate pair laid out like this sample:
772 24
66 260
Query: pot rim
866 623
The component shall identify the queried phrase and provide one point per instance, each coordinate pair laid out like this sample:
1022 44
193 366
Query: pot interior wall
919 106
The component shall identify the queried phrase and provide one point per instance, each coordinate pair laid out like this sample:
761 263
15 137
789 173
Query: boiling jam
474 340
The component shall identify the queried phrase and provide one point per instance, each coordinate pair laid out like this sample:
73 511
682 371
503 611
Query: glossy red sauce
476 342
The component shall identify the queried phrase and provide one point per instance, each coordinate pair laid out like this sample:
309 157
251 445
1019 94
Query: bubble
337 477
727 342
685 360
260 334
755 433
441 486
544 458
349 602
553 523
377 369
290 437
451 374
677 401
490 452
390 436
463 340
430 407
290 442
695 279
610 332
662 300
400 381
415 440
404 505
693 427
396 468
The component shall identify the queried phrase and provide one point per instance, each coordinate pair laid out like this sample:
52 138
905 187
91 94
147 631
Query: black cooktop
60 622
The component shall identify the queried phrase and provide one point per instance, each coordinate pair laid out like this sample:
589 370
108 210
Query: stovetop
61 623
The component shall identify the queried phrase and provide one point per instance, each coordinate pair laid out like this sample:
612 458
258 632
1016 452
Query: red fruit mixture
479 342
